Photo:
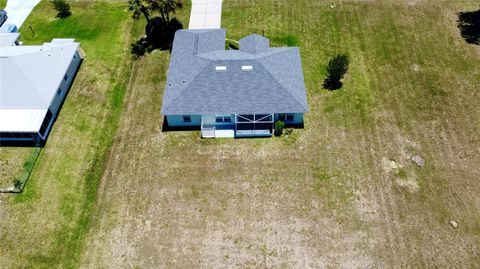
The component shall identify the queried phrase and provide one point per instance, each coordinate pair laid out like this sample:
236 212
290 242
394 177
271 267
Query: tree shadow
469 24
332 84
336 69
159 34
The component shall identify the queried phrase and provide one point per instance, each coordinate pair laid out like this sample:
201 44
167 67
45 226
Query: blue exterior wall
177 120
297 119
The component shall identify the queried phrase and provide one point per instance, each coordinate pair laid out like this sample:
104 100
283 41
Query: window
65 78
187 119
59 92
220 118
285 117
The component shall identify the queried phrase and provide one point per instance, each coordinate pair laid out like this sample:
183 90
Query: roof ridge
281 84
186 86
289 93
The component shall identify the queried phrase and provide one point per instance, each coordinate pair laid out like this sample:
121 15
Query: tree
147 7
165 7
159 31
62 7
337 67
139 7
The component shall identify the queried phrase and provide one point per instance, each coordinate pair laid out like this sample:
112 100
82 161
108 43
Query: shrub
140 47
288 131
469 24
62 7
337 67
279 128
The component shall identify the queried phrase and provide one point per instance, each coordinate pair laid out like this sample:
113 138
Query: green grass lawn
343 192
12 161
45 226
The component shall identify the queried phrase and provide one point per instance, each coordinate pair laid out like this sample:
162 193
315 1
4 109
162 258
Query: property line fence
19 184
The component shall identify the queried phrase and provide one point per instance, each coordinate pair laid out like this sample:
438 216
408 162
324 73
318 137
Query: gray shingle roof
254 44
194 86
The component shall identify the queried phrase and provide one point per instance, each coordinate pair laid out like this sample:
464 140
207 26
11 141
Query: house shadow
21 144
168 128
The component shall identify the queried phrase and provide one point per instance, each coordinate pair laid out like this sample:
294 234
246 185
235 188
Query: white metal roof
205 14
8 39
30 78
21 120
18 10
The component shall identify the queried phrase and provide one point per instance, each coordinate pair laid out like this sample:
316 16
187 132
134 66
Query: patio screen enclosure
254 123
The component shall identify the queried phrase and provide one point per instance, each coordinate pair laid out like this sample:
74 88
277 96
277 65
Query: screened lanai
253 125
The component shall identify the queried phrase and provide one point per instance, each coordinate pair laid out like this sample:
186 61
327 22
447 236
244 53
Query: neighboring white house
232 93
34 83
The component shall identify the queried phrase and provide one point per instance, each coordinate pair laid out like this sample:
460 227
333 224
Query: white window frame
223 118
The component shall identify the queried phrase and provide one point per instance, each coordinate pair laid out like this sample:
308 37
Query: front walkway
205 14
18 11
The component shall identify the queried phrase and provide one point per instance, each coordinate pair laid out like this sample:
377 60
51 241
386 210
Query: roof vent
247 67
221 68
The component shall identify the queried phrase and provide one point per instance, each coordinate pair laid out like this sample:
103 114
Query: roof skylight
247 67
221 68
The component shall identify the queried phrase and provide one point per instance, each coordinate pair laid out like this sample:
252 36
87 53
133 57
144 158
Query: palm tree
139 7
171 6
165 7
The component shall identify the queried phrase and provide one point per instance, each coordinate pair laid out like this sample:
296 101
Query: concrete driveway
205 14
18 11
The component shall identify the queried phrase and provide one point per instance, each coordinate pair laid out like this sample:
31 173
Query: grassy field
340 193
45 226
12 161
